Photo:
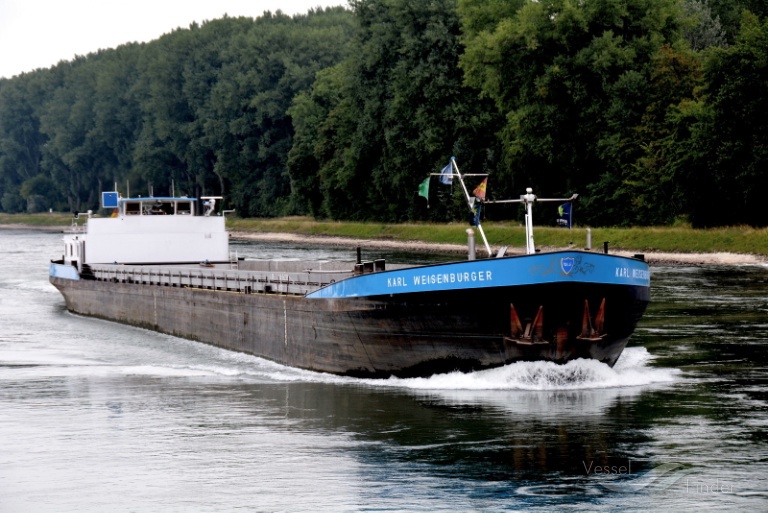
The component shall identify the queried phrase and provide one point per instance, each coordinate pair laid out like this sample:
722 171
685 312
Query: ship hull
404 334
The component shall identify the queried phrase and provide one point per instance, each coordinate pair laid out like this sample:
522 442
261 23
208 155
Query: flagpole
469 204
570 224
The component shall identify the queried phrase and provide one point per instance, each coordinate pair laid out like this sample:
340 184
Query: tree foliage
729 144
651 110
574 81
372 128
201 110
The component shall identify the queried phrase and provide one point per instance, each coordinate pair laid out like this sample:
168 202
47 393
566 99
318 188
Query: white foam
164 371
632 370
33 286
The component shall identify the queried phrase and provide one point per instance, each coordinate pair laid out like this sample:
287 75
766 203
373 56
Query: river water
96 416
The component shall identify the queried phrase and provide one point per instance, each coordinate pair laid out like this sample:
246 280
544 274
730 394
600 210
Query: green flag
424 189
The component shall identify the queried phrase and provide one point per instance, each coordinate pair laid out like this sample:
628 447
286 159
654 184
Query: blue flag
474 214
446 175
564 218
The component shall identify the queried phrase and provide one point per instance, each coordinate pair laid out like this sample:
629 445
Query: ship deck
244 276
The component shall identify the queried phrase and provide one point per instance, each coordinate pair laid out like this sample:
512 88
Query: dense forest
654 111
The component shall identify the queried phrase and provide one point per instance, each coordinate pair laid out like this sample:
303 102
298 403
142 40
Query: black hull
402 335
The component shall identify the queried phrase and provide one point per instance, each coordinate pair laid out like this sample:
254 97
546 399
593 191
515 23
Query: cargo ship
164 263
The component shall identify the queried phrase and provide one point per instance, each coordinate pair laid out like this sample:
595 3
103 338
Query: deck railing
245 282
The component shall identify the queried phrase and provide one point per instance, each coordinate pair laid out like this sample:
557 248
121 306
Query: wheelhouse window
184 208
132 208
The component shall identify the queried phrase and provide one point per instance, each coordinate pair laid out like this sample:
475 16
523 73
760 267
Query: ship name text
635 274
441 278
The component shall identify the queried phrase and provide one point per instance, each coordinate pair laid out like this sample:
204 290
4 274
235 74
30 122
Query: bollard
605 247
589 239
471 243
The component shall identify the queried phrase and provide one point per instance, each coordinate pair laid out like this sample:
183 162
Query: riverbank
652 257
387 243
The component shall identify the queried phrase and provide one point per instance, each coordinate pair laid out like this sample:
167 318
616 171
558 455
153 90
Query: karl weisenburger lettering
440 278
477 276
626 272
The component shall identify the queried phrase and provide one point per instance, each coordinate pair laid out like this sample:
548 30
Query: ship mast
528 199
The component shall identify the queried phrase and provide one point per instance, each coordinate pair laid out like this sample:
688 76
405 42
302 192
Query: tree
729 13
654 187
705 29
21 139
571 78
729 179
272 63
39 192
375 126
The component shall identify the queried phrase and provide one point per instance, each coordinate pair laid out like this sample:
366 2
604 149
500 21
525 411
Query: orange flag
479 191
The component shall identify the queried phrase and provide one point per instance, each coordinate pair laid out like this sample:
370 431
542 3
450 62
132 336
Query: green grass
740 239
52 220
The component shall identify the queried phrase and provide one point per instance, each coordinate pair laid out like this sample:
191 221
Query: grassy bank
54 220
644 239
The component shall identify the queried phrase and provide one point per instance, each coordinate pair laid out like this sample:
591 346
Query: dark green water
96 416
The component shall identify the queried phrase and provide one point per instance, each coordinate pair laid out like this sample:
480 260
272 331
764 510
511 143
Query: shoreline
652 257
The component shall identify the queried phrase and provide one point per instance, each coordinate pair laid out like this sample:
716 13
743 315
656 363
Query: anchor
534 331
592 332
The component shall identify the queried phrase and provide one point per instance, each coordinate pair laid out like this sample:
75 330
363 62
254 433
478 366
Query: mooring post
471 243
